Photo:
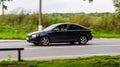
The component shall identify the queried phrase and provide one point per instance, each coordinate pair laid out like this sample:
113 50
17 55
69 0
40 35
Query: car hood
37 32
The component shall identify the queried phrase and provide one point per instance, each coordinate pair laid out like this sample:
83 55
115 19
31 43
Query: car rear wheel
44 41
83 40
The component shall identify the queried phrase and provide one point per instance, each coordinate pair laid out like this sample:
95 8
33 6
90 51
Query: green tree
4 7
117 5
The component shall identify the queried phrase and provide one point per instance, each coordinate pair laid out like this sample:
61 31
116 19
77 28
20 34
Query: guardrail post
19 55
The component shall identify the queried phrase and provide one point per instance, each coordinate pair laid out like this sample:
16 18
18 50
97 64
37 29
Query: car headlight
34 36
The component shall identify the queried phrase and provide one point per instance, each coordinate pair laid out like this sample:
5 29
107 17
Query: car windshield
51 27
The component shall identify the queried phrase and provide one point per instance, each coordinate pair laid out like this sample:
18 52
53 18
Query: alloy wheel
83 40
44 41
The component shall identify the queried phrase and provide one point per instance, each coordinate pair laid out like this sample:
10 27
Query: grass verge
105 35
94 61
13 35
23 35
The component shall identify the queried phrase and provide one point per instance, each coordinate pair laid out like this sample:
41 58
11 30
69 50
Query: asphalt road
54 51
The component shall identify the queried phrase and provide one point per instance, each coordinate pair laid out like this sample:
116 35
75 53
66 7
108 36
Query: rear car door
73 32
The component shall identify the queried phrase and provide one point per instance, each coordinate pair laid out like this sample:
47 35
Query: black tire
83 40
44 41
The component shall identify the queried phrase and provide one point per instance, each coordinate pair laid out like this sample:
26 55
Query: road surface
54 51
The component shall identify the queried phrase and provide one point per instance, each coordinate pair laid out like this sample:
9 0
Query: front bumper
31 40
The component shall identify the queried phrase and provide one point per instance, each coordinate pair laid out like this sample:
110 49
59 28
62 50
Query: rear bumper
90 37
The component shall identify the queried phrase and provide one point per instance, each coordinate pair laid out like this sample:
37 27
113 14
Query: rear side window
76 27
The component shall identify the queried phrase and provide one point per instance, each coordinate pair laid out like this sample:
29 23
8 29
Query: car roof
68 23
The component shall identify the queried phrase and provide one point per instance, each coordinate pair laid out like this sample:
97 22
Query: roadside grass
13 35
94 61
105 35
22 35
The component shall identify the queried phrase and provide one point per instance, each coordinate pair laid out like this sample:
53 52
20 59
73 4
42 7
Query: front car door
59 33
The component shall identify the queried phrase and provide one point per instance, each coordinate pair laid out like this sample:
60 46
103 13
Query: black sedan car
61 32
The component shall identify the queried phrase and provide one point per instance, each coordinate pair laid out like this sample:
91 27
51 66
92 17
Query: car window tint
75 27
81 28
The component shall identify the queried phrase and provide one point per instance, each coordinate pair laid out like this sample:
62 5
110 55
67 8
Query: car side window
61 27
75 27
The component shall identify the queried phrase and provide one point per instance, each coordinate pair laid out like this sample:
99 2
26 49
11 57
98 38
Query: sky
61 6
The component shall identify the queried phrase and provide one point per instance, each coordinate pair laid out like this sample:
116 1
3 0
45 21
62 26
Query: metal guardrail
14 49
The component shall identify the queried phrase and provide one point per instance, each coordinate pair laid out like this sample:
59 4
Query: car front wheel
83 40
44 41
